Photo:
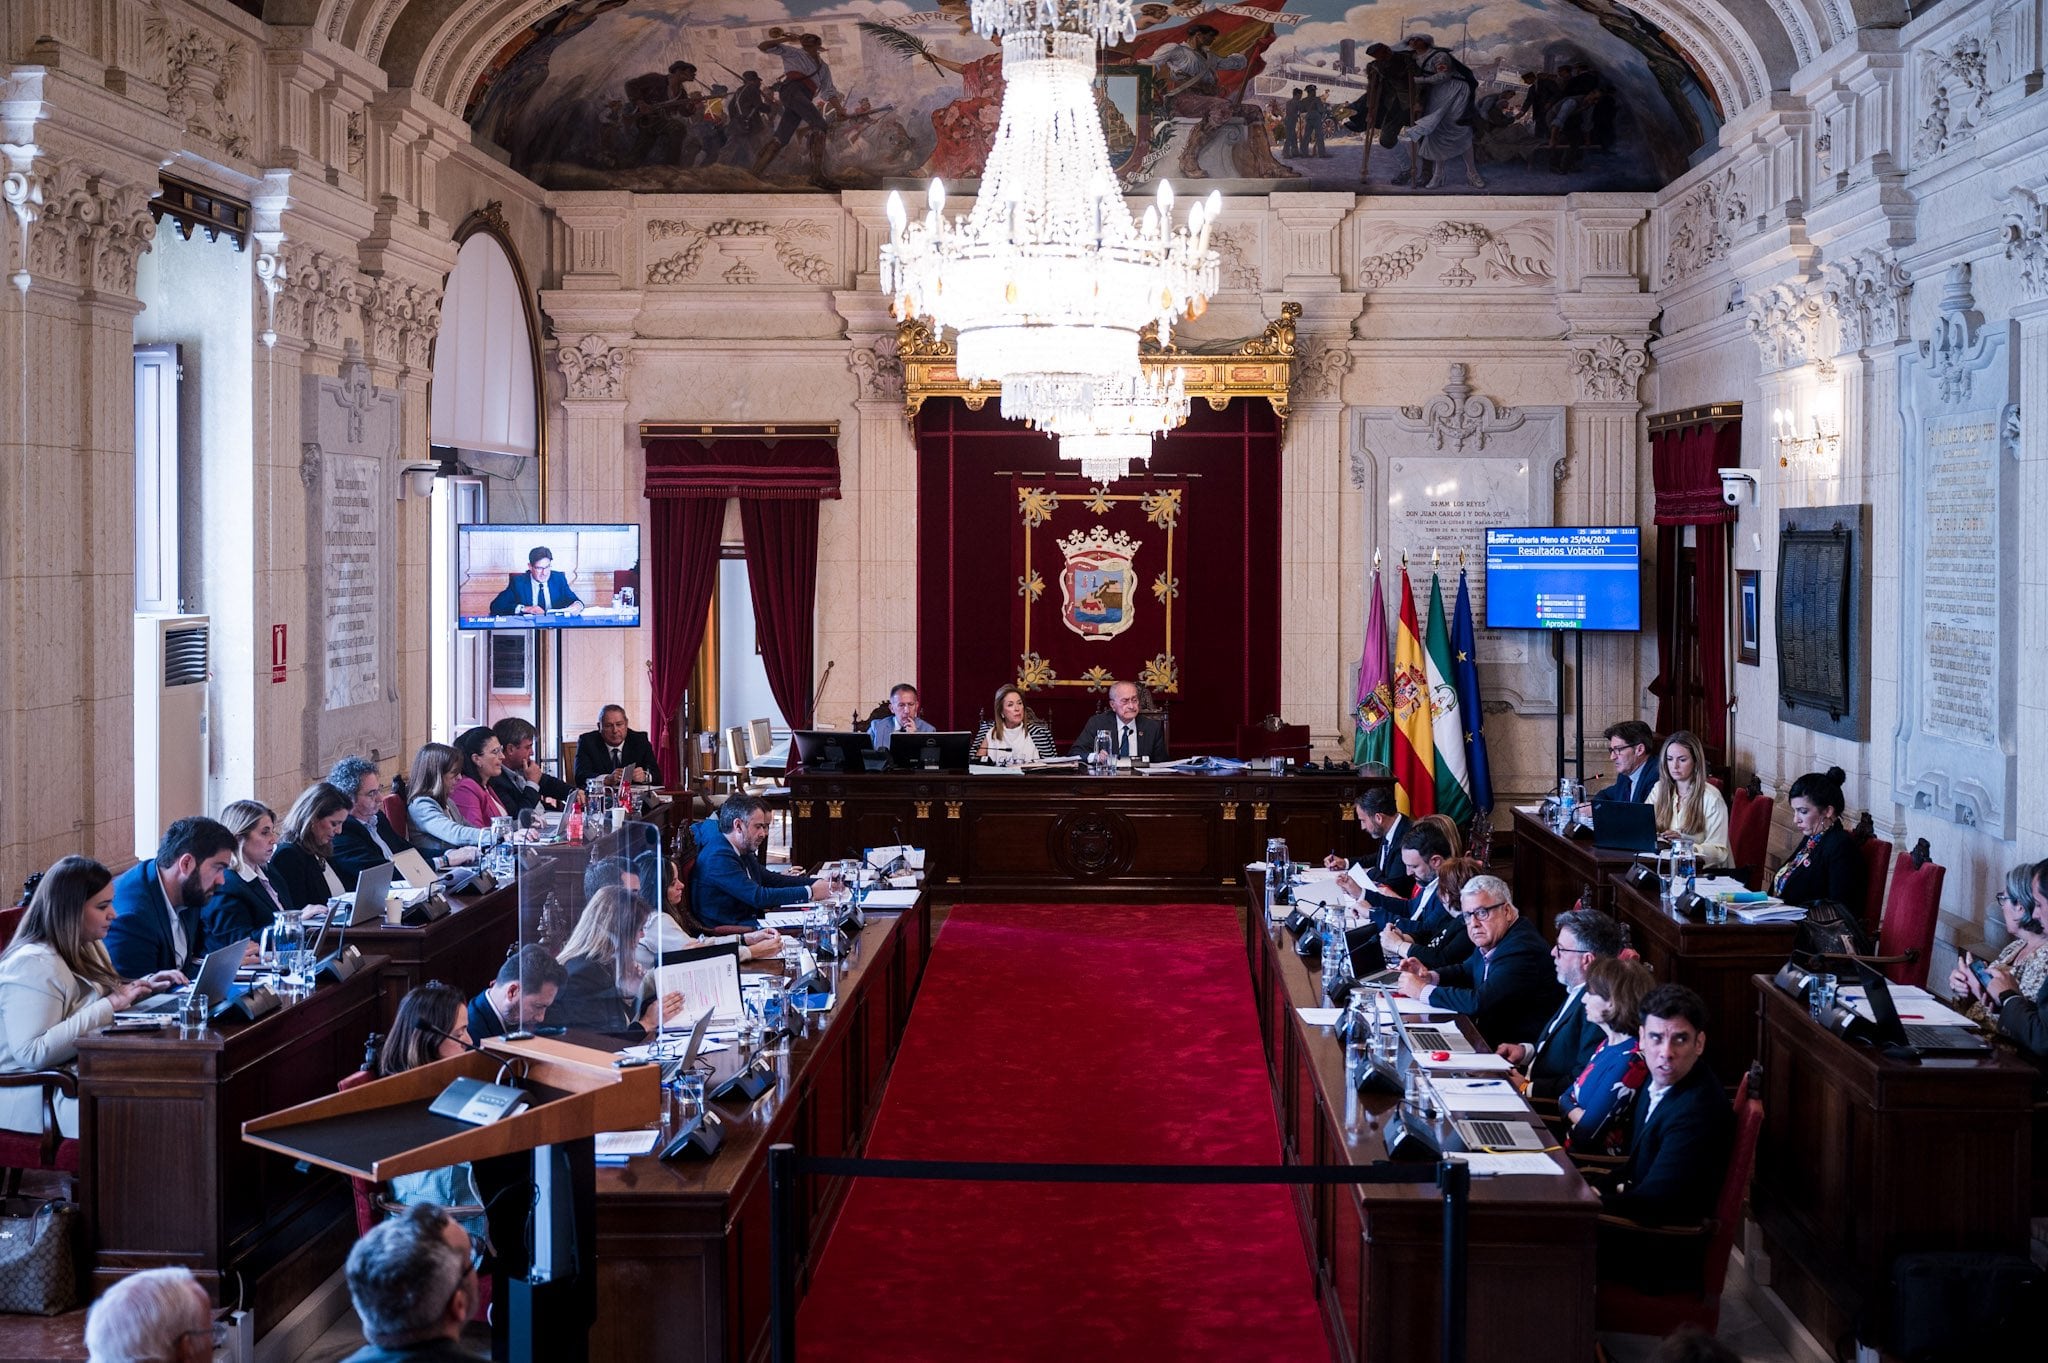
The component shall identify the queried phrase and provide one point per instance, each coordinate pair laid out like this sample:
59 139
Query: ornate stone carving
594 368
1459 417
1608 370
1520 253
400 319
202 76
355 144
1954 348
740 239
1699 230
1784 321
877 371
309 464
74 226
1236 252
1376 272
1866 295
1957 81
2025 234
314 291
1320 370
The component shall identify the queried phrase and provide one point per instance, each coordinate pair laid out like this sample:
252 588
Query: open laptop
1884 1011
216 980
1493 1136
1622 826
416 872
680 1064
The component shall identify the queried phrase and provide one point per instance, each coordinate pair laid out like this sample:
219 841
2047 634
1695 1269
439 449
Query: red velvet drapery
683 566
1684 461
782 566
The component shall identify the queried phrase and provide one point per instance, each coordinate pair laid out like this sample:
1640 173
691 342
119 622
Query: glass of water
1820 995
193 1015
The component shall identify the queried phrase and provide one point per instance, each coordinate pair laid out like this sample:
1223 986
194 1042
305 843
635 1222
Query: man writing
1506 986
1131 735
157 901
539 590
1553 1060
1381 817
518 1000
1629 745
904 705
616 749
730 886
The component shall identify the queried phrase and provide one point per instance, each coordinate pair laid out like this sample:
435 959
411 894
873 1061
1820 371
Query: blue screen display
1564 577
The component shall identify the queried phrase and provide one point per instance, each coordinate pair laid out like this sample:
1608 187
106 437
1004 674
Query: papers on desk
1493 1166
1418 1008
991 769
887 901
1916 1006
878 858
786 920
669 1045
620 1145
1478 1095
1773 912
1476 1062
714 981
1320 1017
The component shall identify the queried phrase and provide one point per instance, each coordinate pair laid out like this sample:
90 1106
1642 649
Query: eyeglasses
217 1331
1483 911
1560 949
1617 749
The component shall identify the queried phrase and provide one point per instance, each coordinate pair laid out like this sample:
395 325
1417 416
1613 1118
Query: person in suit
366 838
57 985
539 590
157 902
614 747
1130 734
1687 803
1826 864
1506 986
1015 735
303 864
730 886
1424 849
1596 1105
1553 1060
248 900
904 705
1391 921
1680 1138
1433 933
519 998
1381 818
1629 745
521 784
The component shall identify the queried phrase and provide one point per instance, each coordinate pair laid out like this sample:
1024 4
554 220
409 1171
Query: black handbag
1830 930
1959 1306
38 1273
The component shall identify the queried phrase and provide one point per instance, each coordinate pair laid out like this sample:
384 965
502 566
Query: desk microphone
470 1045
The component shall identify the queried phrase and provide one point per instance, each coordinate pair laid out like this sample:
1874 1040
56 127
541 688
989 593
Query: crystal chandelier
1119 422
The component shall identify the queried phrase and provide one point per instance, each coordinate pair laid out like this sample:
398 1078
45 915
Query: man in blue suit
904 704
157 902
1553 1060
539 590
1507 986
1629 745
730 886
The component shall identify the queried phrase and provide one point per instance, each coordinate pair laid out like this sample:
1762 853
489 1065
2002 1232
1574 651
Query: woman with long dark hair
303 863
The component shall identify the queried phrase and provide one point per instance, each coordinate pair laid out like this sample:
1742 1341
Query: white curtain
483 393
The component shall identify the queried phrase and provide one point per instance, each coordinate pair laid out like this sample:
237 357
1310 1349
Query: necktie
543 596
615 759
1128 748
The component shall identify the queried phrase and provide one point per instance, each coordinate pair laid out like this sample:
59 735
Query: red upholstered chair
1905 940
1628 1311
51 1149
1877 859
394 814
1749 832
10 919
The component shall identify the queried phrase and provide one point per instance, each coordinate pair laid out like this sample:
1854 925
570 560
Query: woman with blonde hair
249 898
603 990
1686 802
1015 735
436 828
1449 826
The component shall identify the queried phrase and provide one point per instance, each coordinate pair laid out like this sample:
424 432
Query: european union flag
1465 677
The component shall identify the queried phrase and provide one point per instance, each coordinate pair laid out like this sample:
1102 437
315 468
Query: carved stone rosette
593 368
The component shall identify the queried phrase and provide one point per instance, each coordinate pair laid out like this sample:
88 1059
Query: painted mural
1393 97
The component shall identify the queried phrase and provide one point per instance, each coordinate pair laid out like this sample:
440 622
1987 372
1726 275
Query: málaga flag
1374 706
1465 666
1447 727
1414 747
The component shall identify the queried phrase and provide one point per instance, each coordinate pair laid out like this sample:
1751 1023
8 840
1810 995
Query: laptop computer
680 1064
1621 826
1927 1040
216 980
415 871
1493 1136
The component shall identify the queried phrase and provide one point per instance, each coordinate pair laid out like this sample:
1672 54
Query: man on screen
539 590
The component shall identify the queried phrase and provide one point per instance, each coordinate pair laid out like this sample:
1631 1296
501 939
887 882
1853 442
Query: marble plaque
352 491
1435 478
1955 747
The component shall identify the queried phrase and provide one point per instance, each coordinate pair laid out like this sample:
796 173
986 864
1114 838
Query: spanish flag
1414 743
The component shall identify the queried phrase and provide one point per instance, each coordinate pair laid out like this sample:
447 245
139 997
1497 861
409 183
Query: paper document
714 983
1488 1166
1916 1006
618 1143
991 769
1478 1095
1417 1008
785 920
1320 1017
879 857
890 899
1456 1061
1767 913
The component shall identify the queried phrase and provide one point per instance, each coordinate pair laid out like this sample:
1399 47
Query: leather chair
394 814
10 919
1749 832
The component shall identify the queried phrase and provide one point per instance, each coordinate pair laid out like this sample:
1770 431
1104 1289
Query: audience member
2021 904
1381 818
1569 1039
1435 936
904 704
1628 748
303 864
1687 803
432 1024
160 1315
519 999
522 784
1507 986
57 984
1680 1136
158 901
613 748
436 831
1826 864
1132 733
730 886
413 1281
248 900
1599 1100
483 760
367 839
1014 735
602 991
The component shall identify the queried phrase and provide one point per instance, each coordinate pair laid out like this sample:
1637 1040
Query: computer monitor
831 749
945 750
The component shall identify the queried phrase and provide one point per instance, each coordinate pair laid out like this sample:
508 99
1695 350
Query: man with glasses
1506 986
1553 1060
1629 745
366 838
413 1282
162 1313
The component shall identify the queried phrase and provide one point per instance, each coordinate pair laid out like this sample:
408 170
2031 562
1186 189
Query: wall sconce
1795 446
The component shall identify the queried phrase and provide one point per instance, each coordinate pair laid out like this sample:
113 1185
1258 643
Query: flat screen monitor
547 576
1564 577
945 750
839 750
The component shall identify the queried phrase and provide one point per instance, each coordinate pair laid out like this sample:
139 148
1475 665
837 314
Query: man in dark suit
1681 1135
613 747
539 590
1130 733
1553 1060
157 902
366 838
1506 986
521 784
1381 818
730 886
1629 745
1420 924
521 995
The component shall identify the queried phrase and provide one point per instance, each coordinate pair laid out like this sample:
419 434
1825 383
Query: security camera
1737 486
419 478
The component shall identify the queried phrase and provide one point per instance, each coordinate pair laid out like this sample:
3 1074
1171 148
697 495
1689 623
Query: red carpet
1098 1035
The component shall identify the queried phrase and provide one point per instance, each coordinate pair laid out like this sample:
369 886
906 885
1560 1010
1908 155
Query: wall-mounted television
547 576
1564 577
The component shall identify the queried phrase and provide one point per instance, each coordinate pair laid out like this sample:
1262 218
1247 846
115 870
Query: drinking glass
1820 995
192 1016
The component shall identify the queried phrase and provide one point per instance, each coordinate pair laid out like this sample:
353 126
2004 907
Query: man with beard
157 902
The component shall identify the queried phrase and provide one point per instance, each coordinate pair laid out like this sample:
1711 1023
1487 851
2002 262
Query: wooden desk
1552 872
464 948
1061 835
1863 1158
164 1177
1719 960
682 1247
1375 1250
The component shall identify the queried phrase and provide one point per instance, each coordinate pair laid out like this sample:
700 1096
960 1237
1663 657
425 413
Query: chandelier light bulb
897 217
935 197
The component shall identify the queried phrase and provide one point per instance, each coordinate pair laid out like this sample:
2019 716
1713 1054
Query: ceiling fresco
1397 97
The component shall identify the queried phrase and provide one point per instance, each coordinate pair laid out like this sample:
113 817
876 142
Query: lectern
383 1129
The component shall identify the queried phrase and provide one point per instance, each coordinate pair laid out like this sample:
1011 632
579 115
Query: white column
1316 671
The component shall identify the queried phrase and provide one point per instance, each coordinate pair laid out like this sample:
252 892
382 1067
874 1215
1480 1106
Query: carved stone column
1599 488
592 476
1315 670
2027 240
868 541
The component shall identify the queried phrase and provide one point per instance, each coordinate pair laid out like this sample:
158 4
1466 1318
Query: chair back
10 919
1910 914
1749 1121
737 754
1749 838
394 814
364 1191
1877 859
763 734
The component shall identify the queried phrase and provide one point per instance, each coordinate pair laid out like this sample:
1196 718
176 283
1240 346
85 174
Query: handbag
1830 930
1956 1306
38 1275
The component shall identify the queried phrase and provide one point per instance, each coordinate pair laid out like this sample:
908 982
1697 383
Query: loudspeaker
248 1005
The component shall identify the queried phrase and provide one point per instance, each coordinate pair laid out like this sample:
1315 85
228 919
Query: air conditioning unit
171 669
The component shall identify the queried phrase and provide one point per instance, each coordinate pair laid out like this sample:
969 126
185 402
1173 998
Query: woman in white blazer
56 984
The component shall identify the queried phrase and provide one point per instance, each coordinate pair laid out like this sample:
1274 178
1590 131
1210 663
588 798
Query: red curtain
683 573
782 565
1684 462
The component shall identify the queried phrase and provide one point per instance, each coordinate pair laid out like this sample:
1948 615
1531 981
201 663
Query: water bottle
1333 954
1102 761
1567 805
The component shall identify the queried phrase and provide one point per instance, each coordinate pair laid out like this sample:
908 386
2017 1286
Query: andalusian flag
1447 726
1414 748
1374 707
1465 664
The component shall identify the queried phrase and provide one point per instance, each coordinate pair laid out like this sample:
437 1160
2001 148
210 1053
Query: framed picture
1749 611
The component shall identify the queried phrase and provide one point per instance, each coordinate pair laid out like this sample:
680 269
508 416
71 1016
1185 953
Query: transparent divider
589 904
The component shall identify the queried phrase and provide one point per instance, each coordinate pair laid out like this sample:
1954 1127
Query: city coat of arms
1098 585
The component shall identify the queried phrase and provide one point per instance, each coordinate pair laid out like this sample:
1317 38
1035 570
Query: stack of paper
1478 1095
1772 911
1320 1017
616 1147
1492 1166
888 901
1457 1061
